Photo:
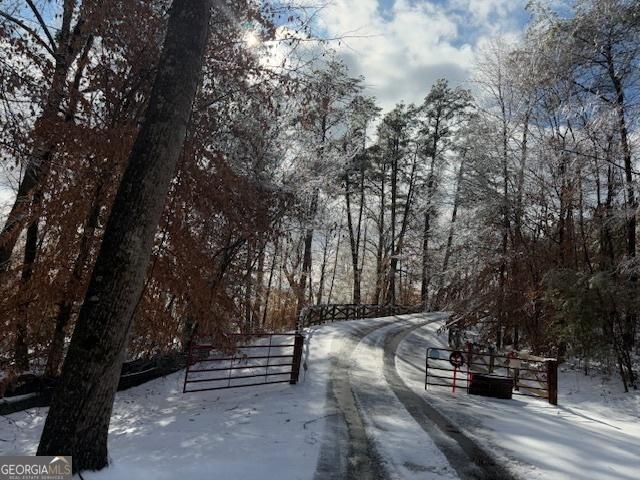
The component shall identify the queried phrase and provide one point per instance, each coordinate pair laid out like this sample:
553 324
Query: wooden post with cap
552 381
297 358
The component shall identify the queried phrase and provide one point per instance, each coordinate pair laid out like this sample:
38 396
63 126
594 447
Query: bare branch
42 24
29 30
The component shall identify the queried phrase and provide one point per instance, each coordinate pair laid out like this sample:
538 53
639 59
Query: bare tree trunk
448 247
505 229
377 296
270 282
363 252
259 289
519 213
632 205
306 261
30 251
323 267
395 255
335 264
354 239
426 276
426 233
248 284
393 263
583 233
78 420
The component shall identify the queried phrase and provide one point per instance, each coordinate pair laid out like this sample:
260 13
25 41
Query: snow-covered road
359 412
369 434
386 430
593 433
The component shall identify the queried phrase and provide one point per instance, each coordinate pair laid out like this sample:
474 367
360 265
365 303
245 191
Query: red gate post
297 358
552 381
455 371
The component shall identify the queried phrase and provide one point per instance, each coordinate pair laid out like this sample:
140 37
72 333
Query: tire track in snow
345 431
470 461
408 451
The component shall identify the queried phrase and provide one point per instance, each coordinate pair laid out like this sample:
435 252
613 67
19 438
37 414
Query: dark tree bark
259 288
393 261
80 412
248 287
378 292
355 231
270 281
354 239
426 233
323 266
30 252
506 227
448 248
306 261
632 205
335 265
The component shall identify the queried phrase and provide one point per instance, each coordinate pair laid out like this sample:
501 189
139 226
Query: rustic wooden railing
319 314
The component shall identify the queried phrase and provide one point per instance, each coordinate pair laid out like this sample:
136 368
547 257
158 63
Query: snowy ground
157 432
279 431
406 449
593 433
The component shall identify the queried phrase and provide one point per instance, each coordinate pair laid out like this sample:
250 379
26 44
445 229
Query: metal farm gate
526 375
257 359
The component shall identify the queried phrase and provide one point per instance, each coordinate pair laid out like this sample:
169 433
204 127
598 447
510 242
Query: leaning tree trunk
78 419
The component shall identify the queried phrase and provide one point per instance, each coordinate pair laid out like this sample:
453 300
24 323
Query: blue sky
405 45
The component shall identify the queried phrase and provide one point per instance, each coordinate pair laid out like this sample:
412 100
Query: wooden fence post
552 381
297 358
189 362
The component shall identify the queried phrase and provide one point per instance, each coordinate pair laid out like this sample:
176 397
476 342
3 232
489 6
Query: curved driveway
378 428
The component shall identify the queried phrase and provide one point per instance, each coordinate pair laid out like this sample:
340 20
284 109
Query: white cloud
403 48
